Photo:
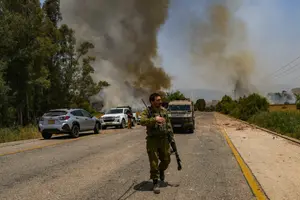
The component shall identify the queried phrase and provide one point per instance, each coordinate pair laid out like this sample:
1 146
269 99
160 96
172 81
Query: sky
273 30
273 34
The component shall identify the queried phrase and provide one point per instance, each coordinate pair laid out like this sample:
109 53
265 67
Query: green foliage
254 109
251 105
200 105
177 95
210 108
297 101
244 108
40 67
226 105
286 123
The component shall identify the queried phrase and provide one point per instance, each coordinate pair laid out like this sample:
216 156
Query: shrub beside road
19 133
255 109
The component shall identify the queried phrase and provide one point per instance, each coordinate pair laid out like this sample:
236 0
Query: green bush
283 122
226 105
244 108
254 109
200 105
251 105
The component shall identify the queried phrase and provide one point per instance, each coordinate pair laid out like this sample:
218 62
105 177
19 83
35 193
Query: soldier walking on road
158 148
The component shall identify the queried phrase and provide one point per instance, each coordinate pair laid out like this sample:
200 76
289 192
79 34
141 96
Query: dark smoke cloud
219 46
124 34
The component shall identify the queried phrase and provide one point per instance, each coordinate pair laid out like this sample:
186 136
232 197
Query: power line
283 67
290 70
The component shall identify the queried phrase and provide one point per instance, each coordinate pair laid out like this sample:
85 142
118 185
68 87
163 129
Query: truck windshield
114 111
179 107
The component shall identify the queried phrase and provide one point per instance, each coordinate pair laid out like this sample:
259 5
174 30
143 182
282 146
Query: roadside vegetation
255 109
41 67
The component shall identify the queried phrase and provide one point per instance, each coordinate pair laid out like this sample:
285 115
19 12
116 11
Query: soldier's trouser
129 122
158 149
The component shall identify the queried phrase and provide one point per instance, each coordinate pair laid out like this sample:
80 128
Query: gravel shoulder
273 160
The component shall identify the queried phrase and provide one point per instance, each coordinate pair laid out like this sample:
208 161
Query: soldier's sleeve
145 120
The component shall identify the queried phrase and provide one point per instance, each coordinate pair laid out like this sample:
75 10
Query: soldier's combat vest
159 130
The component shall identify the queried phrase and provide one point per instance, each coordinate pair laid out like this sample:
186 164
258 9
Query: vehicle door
79 118
90 122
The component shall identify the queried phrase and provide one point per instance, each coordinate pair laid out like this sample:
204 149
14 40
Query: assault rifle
171 141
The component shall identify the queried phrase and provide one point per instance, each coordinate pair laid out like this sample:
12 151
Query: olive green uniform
158 147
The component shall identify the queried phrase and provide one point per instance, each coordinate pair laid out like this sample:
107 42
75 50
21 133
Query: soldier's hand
160 120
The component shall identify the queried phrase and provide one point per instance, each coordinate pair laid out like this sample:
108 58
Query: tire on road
75 131
97 128
123 124
133 122
46 135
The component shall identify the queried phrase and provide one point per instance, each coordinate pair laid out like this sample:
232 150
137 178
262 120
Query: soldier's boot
156 189
162 175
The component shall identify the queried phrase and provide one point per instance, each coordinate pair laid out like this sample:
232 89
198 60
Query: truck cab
182 115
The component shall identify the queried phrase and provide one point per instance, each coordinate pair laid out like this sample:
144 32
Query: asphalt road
115 166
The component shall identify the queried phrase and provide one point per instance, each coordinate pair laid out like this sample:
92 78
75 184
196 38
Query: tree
177 95
200 105
226 105
297 100
84 86
40 67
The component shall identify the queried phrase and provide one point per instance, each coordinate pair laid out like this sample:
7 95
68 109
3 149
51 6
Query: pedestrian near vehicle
129 114
158 128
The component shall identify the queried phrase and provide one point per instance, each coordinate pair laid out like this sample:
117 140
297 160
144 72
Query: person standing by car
130 116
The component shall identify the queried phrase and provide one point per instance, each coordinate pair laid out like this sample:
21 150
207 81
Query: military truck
182 115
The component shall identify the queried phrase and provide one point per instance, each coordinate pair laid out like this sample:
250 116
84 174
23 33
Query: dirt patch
273 160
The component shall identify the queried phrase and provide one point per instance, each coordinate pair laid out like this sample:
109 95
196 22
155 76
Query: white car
115 117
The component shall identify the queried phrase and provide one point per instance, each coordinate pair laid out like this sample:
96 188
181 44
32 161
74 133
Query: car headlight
118 117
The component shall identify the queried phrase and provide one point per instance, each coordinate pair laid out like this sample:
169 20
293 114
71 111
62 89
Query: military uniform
158 147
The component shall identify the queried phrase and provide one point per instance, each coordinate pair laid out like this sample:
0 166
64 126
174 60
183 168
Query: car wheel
133 122
75 131
97 128
123 125
47 136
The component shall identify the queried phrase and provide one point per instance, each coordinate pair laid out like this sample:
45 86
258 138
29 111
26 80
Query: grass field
19 133
283 122
282 107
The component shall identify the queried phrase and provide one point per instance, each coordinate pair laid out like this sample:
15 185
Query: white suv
115 117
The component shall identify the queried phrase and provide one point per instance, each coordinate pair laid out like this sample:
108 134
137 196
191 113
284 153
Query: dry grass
19 133
279 107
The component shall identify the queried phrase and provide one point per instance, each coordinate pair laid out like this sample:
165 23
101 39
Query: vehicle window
56 113
179 107
114 111
86 113
77 113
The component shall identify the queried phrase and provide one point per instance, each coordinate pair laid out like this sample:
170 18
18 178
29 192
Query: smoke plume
219 46
124 34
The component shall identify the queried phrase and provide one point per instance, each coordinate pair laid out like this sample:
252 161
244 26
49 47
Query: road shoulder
274 161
